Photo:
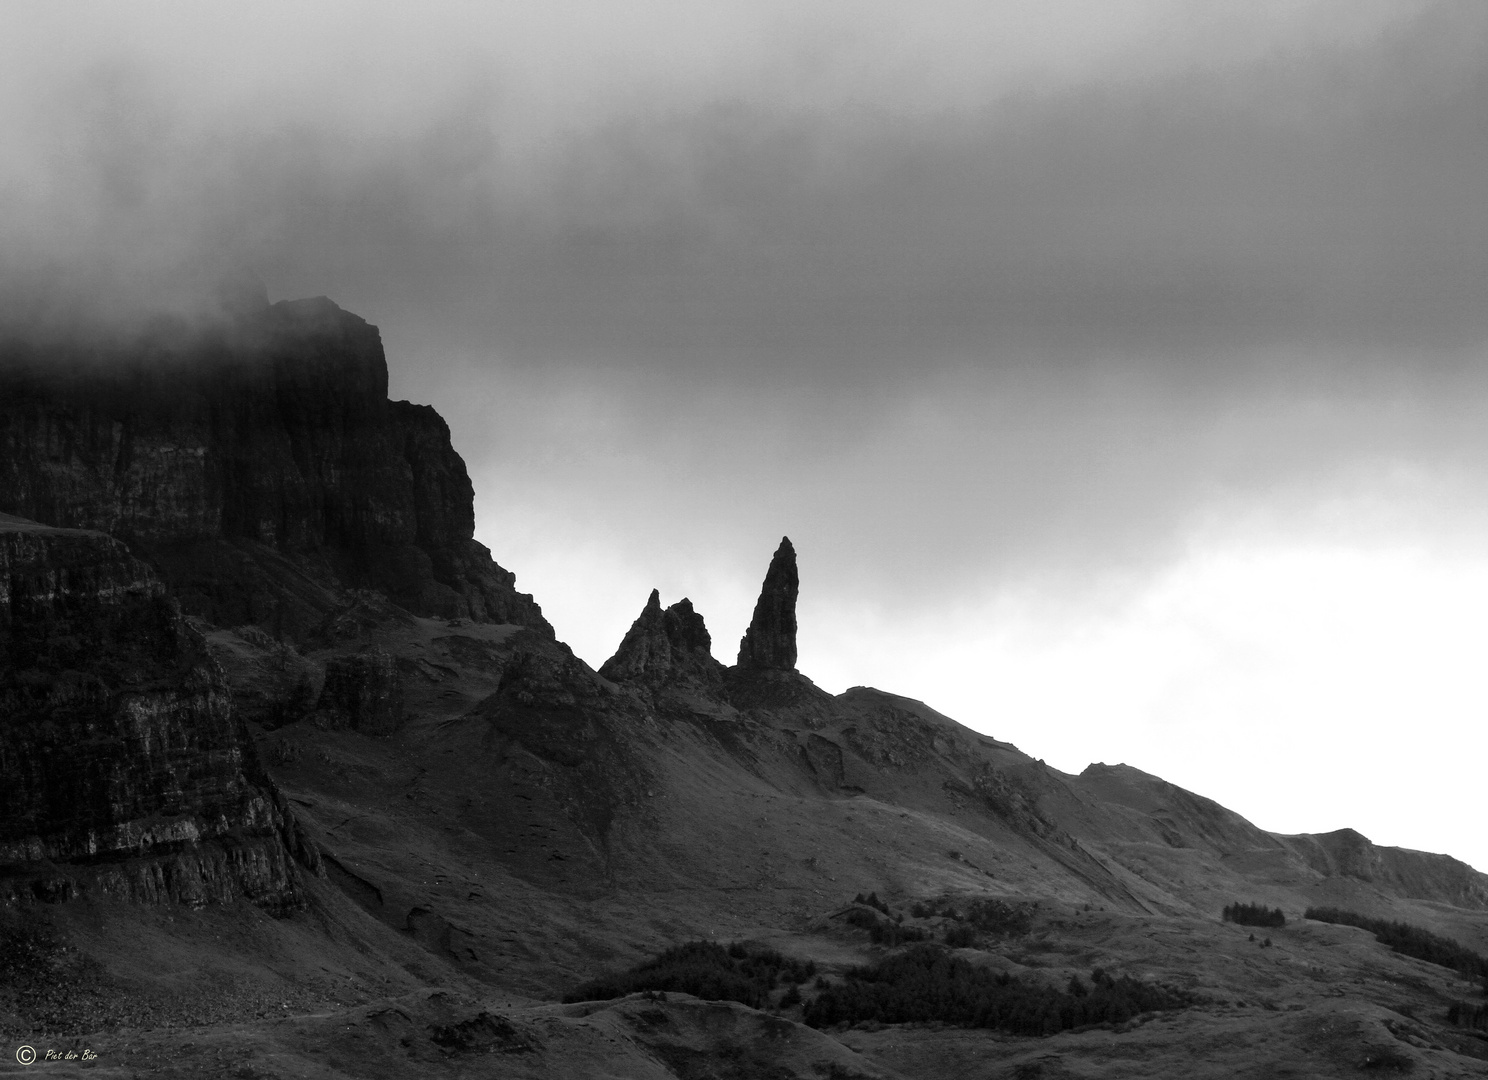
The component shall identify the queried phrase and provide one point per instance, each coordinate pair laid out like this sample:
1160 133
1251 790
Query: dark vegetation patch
1409 940
926 984
960 936
881 931
484 1033
704 969
728 1061
1462 1014
974 921
985 914
999 917
1386 1059
1254 915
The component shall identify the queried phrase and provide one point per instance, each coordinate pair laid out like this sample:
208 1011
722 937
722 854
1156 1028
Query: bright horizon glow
1302 682
1308 688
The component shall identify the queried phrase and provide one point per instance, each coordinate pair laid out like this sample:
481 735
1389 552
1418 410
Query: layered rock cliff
1420 875
251 473
256 463
122 765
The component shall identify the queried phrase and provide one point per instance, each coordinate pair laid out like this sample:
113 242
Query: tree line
704 969
1410 941
882 931
1254 915
1463 1014
926 983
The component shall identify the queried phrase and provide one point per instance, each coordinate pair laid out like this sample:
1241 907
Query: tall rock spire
770 641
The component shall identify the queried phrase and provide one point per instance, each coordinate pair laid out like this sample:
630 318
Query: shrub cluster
928 984
882 931
985 914
871 900
999 917
704 969
960 936
892 934
1409 940
1254 915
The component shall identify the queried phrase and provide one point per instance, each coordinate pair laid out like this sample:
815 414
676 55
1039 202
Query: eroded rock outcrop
122 765
1420 875
256 464
662 645
363 692
770 642
273 682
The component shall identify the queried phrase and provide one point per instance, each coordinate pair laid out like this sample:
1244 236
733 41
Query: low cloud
1043 281
800 186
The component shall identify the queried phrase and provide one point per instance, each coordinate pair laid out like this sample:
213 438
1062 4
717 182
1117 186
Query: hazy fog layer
1117 369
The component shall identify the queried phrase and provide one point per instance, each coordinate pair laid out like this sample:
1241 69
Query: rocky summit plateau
295 783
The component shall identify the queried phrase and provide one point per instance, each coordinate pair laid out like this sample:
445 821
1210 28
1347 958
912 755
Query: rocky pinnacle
663 644
770 641
645 647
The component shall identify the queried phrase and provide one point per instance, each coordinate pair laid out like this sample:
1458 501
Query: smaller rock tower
662 645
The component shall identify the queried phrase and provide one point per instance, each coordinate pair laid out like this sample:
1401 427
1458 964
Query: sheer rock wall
256 464
122 765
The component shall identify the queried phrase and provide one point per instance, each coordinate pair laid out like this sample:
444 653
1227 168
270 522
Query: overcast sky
1118 369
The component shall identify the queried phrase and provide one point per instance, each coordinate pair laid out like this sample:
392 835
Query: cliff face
1420 875
257 465
251 473
122 766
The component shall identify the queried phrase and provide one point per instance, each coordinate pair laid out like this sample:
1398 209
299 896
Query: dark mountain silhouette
279 740
257 464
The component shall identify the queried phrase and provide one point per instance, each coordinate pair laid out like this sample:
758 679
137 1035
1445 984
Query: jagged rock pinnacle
644 647
662 643
687 633
770 641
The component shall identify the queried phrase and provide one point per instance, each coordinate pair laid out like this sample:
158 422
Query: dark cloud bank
947 334
973 301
